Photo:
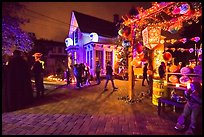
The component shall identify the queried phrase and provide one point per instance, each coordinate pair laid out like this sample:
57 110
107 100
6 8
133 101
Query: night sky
50 20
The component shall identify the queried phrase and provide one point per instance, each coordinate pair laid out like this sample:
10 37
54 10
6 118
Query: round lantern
185 70
184 79
173 68
139 47
173 79
167 56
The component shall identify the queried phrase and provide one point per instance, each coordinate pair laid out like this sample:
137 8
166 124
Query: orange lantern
167 56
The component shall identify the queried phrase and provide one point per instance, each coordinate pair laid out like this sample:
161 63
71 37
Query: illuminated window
99 57
109 55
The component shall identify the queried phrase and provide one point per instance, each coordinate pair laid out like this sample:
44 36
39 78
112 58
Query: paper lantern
167 56
184 79
185 70
184 8
139 47
173 68
173 79
151 36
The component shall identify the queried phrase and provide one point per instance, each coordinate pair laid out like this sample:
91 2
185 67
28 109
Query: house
91 39
54 56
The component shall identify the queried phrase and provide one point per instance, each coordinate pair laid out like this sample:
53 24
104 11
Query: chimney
115 18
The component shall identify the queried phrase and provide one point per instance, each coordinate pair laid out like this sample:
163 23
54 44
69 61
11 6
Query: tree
13 37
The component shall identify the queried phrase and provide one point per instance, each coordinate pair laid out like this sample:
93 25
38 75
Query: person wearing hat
192 108
38 70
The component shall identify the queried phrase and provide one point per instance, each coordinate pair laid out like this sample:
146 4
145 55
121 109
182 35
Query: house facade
91 39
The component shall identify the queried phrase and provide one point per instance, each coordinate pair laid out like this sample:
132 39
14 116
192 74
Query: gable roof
89 24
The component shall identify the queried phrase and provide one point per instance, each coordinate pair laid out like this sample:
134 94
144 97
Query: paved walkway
88 111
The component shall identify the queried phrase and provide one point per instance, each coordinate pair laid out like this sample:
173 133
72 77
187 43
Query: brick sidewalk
89 111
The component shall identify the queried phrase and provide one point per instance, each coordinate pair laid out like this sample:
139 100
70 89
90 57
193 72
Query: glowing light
68 42
177 84
151 36
94 37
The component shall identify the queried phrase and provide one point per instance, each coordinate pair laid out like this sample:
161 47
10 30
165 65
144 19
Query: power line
49 17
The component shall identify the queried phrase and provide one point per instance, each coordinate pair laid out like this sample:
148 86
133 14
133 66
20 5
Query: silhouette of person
98 71
38 76
109 76
68 76
161 70
145 75
19 86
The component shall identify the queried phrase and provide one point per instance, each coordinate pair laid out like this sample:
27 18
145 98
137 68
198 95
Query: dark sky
50 20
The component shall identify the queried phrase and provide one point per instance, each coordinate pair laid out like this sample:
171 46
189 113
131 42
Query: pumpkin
173 79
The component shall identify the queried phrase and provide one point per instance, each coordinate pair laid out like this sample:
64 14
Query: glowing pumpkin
173 68
167 56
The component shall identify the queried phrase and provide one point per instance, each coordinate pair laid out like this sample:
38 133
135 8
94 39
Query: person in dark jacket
192 108
98 71
161 70
109 76
19 86
145 75
37 69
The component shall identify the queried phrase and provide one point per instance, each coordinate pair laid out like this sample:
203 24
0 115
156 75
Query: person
145 75
68 76
77 75
37 70
19 86
162 70
87 76
109 76
98 71
192 108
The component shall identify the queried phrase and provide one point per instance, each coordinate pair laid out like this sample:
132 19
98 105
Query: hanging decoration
167 56
139 47
151 36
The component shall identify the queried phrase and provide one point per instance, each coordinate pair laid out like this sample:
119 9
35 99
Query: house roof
89 24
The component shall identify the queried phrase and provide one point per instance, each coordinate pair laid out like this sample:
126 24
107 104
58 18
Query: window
109 57
76 36
99 56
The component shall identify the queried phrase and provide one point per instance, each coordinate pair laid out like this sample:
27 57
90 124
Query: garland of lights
179 12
